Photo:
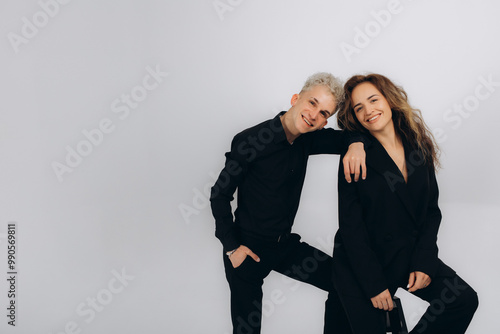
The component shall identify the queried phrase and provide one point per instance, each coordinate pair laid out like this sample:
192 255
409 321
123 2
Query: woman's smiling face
371 107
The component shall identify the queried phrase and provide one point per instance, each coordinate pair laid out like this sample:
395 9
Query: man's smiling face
311 109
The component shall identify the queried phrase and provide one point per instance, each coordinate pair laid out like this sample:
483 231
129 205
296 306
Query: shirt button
388 237
414 233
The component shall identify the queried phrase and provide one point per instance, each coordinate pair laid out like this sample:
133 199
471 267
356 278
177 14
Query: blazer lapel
378 158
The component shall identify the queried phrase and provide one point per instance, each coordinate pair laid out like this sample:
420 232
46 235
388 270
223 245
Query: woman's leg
452 306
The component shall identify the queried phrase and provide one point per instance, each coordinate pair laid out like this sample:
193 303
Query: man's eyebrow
317 102
369 97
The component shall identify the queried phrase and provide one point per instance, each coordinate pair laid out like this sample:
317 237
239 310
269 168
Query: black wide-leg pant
292 258
452 305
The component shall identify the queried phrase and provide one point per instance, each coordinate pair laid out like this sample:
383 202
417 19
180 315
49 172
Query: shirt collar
277 128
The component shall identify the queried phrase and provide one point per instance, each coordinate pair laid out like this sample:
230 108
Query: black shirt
269 173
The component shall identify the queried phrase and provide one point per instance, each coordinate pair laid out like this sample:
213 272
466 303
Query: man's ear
295 97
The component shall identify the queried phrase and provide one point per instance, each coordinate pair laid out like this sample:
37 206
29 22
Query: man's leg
307 264
245 283
452 306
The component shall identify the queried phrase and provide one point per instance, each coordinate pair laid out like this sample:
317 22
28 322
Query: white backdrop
116 114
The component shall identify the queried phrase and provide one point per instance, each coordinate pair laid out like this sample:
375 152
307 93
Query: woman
388 223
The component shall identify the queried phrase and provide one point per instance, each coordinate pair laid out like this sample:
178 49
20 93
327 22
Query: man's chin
306 130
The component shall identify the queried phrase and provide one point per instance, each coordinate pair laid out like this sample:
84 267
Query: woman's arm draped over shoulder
338 142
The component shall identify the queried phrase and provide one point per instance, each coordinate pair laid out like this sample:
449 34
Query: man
267 164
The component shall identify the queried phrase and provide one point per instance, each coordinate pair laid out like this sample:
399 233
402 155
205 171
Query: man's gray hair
327 80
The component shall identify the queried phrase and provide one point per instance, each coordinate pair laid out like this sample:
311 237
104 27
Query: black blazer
387 228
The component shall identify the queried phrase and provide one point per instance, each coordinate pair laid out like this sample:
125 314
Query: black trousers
452 306
292 258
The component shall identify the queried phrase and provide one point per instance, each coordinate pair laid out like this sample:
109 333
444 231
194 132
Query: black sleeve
222 193
355 239
331 141
425 256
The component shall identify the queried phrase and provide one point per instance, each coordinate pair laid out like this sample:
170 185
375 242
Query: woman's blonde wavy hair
408 122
